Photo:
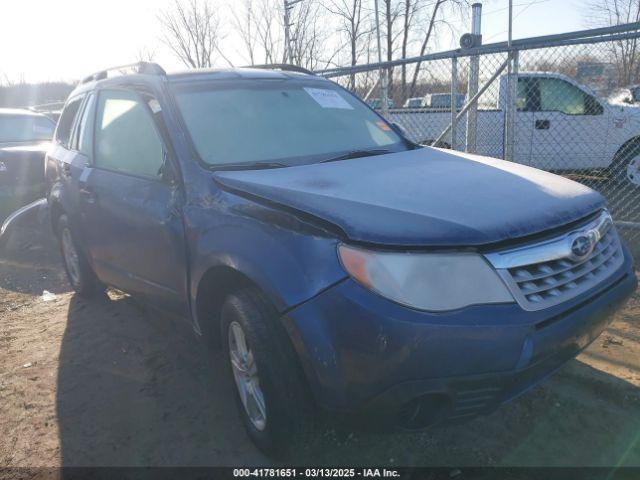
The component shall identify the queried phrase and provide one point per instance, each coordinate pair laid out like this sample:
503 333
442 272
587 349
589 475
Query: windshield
25 128
286 121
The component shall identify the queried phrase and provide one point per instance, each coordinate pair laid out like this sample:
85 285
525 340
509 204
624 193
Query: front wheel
79 272
270 390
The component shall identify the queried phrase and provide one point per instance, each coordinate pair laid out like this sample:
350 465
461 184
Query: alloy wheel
71 258
245 374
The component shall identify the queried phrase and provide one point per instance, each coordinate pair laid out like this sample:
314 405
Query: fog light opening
424 411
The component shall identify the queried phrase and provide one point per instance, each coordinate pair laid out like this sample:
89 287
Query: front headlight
426 281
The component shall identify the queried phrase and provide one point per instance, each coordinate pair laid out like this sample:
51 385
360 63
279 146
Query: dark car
340 266
24 140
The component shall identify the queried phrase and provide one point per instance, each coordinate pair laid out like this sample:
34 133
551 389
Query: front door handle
88 194
543 124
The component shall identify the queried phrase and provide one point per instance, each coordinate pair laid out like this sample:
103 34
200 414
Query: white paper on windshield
328 98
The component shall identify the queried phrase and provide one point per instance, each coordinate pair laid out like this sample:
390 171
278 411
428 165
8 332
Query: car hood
35 146
423 197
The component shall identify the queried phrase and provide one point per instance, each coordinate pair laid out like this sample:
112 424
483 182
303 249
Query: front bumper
363 353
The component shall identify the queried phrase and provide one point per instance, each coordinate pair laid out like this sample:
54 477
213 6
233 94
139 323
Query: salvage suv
341 267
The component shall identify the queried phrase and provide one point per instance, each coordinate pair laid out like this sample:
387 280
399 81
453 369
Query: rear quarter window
67 120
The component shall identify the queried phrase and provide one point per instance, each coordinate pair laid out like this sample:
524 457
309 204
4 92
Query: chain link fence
565 103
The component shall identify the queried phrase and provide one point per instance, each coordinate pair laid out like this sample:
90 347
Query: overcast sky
67 39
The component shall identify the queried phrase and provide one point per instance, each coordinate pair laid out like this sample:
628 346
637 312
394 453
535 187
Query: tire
79 272
286 417
625 168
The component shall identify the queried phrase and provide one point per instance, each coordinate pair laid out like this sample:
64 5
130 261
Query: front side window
558 95
282 121
126 137
25 128
85 127
67 119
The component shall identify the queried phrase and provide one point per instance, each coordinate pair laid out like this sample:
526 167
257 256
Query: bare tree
391 12
309 36
244 22
355 24
145 54
192 32
428 27
624 52
411 10
258 24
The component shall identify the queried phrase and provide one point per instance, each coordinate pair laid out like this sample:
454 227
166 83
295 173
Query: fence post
510 107
454 103
474 80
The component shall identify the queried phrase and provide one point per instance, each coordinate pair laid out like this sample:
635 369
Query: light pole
288 5
474 80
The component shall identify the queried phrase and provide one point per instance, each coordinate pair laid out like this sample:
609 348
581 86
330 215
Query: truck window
126 137
558 95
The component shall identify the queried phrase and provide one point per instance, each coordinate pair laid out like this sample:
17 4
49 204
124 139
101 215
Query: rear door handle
543 124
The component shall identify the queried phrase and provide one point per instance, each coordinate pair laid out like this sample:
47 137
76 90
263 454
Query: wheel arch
625 148
214 286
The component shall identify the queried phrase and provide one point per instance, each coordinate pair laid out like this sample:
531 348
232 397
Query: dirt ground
109 382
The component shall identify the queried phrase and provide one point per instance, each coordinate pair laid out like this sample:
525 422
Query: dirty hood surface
424 197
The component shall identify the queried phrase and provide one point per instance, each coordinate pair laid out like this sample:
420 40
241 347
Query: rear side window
126 137
65 124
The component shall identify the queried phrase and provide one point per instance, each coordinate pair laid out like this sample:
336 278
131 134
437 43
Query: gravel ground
109 382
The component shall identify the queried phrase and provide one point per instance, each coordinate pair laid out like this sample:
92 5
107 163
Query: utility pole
288 53
384 85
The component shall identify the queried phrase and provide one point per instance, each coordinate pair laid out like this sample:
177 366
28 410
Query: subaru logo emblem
582 246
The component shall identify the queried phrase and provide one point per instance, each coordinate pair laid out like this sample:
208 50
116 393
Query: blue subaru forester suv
340 266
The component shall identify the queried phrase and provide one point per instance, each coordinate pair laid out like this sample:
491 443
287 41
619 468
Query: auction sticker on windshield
328 98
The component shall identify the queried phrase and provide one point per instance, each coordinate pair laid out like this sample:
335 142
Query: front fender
288 259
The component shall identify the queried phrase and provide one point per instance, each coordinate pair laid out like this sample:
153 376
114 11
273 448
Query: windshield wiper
357 154
248 166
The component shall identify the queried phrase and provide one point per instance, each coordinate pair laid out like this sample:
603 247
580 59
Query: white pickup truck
560 125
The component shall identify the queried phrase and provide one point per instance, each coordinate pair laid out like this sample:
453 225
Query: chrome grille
546 274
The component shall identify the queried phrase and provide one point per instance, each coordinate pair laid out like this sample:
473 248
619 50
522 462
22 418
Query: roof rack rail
148 68
285 67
